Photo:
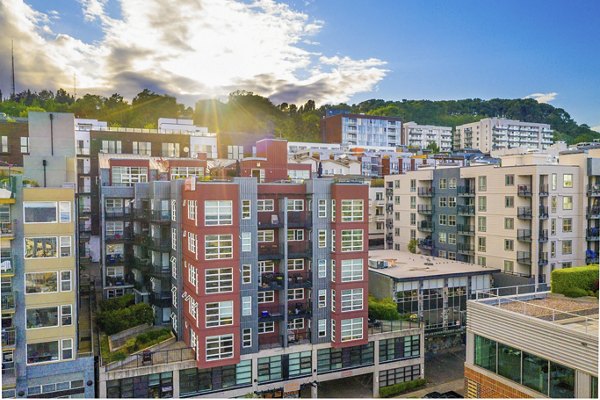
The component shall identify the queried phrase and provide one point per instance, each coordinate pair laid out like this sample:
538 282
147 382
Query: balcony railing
114 259
465 248
9 337
466 191
7 301
270 313
593 190
543 212
269 252
466 210
468 230
425 226
299 279
116 281
593 212
118 213
299 249
270 220
426 244
524 190
524 213
141 213
299 309
160 216
271 281
543 237
424 209
426 191
6 228
126 234
524 235
299 219
161 300
593 234
524 257
162 244
543 190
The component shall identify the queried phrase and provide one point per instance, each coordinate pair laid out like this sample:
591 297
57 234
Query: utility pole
12 53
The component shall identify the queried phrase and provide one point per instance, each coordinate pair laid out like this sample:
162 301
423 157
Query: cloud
199 49
596 128
542 97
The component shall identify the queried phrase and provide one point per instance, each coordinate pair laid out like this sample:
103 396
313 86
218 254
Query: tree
412 246
433 147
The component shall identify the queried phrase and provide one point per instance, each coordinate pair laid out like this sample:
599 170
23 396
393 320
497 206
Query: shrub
389 391
113 321
575 292
117 303
412 246
385 309
584 278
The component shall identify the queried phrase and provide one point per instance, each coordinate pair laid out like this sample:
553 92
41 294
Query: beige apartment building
527 216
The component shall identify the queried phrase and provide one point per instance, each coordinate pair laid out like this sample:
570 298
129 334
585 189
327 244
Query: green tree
412 246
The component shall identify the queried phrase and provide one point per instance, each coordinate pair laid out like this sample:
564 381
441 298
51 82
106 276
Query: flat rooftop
407 266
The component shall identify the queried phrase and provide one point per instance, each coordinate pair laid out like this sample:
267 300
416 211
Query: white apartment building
496 133
420 136
361 130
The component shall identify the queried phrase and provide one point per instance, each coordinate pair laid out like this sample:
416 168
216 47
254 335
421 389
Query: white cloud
542 97
596 128
200 48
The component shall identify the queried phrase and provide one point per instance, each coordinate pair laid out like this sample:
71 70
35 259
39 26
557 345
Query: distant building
496 133
531 346
376 216
421 136
361 130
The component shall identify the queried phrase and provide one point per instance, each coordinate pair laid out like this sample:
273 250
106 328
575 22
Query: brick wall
488 387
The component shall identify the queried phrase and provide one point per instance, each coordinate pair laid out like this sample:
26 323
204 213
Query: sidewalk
457 385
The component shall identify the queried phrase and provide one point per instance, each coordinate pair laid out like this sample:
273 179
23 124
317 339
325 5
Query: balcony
467 249
425 192
116 213
593 234
160 216
524 257
141 213
524 235
159 244
466 230
270 220
161 300
425 226
426 210
299 249
543 190
593 190
119 237
271 281
543 212
300 219
524 213
593 212
160 271
543 237
7 265
425 244
299 309
6 228
466 210
591 257
9 337
141 263
119 281
85 210
270 313
466 191
7 301
269 252
299 279
524 191
542 262
114 259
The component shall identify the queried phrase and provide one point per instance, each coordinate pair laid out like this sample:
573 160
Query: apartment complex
376 215
498 133
531 346
421 136
526 217
361 130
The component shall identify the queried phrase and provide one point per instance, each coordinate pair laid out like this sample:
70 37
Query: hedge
117 303
389 391
385 309
113 321
564 280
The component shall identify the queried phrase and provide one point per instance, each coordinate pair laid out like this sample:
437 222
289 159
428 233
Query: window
128 176
295 205
24 144
452 183
65 246
352 210
451 201
174 239
40 247
44 317
266 327
451 220
65 211
332 210
568 180
143 148
170 150
351 329
509 223
509 362
322 208
246 242
217 212
219 314
246 209
452 238
39 212
295 235
443 183
567 202
509 180
413 201
442 253
322 298
322 327
485 353
266 266
66 315
482 202
481 261
41 282
42 352
4 144
481 244
482 181
111 146
567 225
246 306
352 299
509 245
442 238
192 242
235 152
193 308
554 181
481 224
413 218
192 207
267 236
443 201
266 297
65 281
397 201
352 240
553 204
567 247
192 275
322 238
413 185
219 280
269 368
218 247
246 337
296 323
219 347
246 273
264 205
399 375
322 268
443 219
509 266
509 201
295 294
295 264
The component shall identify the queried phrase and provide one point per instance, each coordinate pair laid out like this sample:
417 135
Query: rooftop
407 266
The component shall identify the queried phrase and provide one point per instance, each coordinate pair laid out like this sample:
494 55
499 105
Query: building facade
421 136
361 130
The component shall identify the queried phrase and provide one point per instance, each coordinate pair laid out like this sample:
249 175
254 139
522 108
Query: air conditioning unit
184 234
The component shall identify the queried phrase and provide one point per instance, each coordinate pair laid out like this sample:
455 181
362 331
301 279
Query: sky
329 50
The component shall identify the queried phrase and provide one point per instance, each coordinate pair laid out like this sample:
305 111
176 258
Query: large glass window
41 282
535 373
269 369
399 375
352 300
44 317
42 352
219 280
218 212
352 329
485 353
128 176
40 212
562 381
219 314
509 362
299 364
218 246
352 270
352 240
219 347
352 210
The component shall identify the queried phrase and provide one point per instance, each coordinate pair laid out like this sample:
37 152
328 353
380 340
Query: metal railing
147 130
9 337
270 313
466 191
426 191
6 227
423 209
466 210
524 257
524 212
148 358
382 326
524 190
524 235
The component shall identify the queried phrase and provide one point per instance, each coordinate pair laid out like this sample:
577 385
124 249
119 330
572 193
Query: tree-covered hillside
249 112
